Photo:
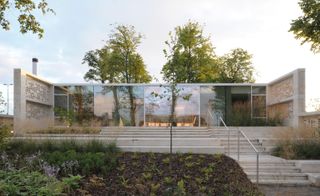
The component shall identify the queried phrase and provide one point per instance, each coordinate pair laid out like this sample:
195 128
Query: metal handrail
228 152
240 132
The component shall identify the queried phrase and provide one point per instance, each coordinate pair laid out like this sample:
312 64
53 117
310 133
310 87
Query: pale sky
259 26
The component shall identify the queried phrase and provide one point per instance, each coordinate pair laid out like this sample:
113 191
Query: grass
302 143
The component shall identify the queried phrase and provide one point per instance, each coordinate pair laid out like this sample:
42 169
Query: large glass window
150 105
81 104
238 105
159 101
212 100
158 105
119 105
60 105
187 107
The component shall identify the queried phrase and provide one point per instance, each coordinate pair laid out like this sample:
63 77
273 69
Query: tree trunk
132 107
116 115
172 114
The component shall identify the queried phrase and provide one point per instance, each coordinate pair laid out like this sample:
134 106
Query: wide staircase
272 170
196 140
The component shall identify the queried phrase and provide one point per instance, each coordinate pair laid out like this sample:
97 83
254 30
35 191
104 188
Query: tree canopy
307 27
26 16
190 55
191 59
236 67
118 61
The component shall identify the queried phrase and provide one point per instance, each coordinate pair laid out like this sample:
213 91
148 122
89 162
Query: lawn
70 168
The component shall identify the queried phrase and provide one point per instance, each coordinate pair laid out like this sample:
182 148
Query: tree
119 62
307 27
190 55
102 70
236 67
124 42
26 18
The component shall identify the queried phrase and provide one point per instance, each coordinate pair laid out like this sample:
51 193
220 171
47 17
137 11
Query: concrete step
154 136
166 149
283 182
146 129
166 142
152 133
280 169
266 163
243 149
277 176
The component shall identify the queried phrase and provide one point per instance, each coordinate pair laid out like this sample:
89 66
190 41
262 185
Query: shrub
25 147
69 130
20 182
303 143
4 135
83 163
302 149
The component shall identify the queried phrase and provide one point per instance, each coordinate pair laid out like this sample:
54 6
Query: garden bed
177 174
98 169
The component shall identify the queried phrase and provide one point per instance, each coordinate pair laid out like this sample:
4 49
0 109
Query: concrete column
298 97
19 101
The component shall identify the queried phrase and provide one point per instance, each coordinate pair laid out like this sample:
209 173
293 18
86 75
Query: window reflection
150 105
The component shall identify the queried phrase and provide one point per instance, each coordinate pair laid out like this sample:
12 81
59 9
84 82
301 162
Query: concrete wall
311 119
264 132
33 102
286 97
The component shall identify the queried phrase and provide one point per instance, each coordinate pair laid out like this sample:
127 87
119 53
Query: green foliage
166 160
69 130
69 156
71 183
307 27
168 180
27 14
147 175
154 188
19 182
190 55
118 61
191 59
4 135
87 162
25 147
180 190
236 67
101 68
67 116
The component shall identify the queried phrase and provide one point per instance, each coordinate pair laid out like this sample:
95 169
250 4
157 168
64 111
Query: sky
258 26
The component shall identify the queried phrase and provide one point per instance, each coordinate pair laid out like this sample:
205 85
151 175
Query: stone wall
38 91
280 91
286 97
33 102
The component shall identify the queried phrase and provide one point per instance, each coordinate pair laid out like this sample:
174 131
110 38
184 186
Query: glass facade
150 105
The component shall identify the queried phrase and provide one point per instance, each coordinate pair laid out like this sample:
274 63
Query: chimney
34 66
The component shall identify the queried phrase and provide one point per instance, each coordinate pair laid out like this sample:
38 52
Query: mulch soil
176 174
